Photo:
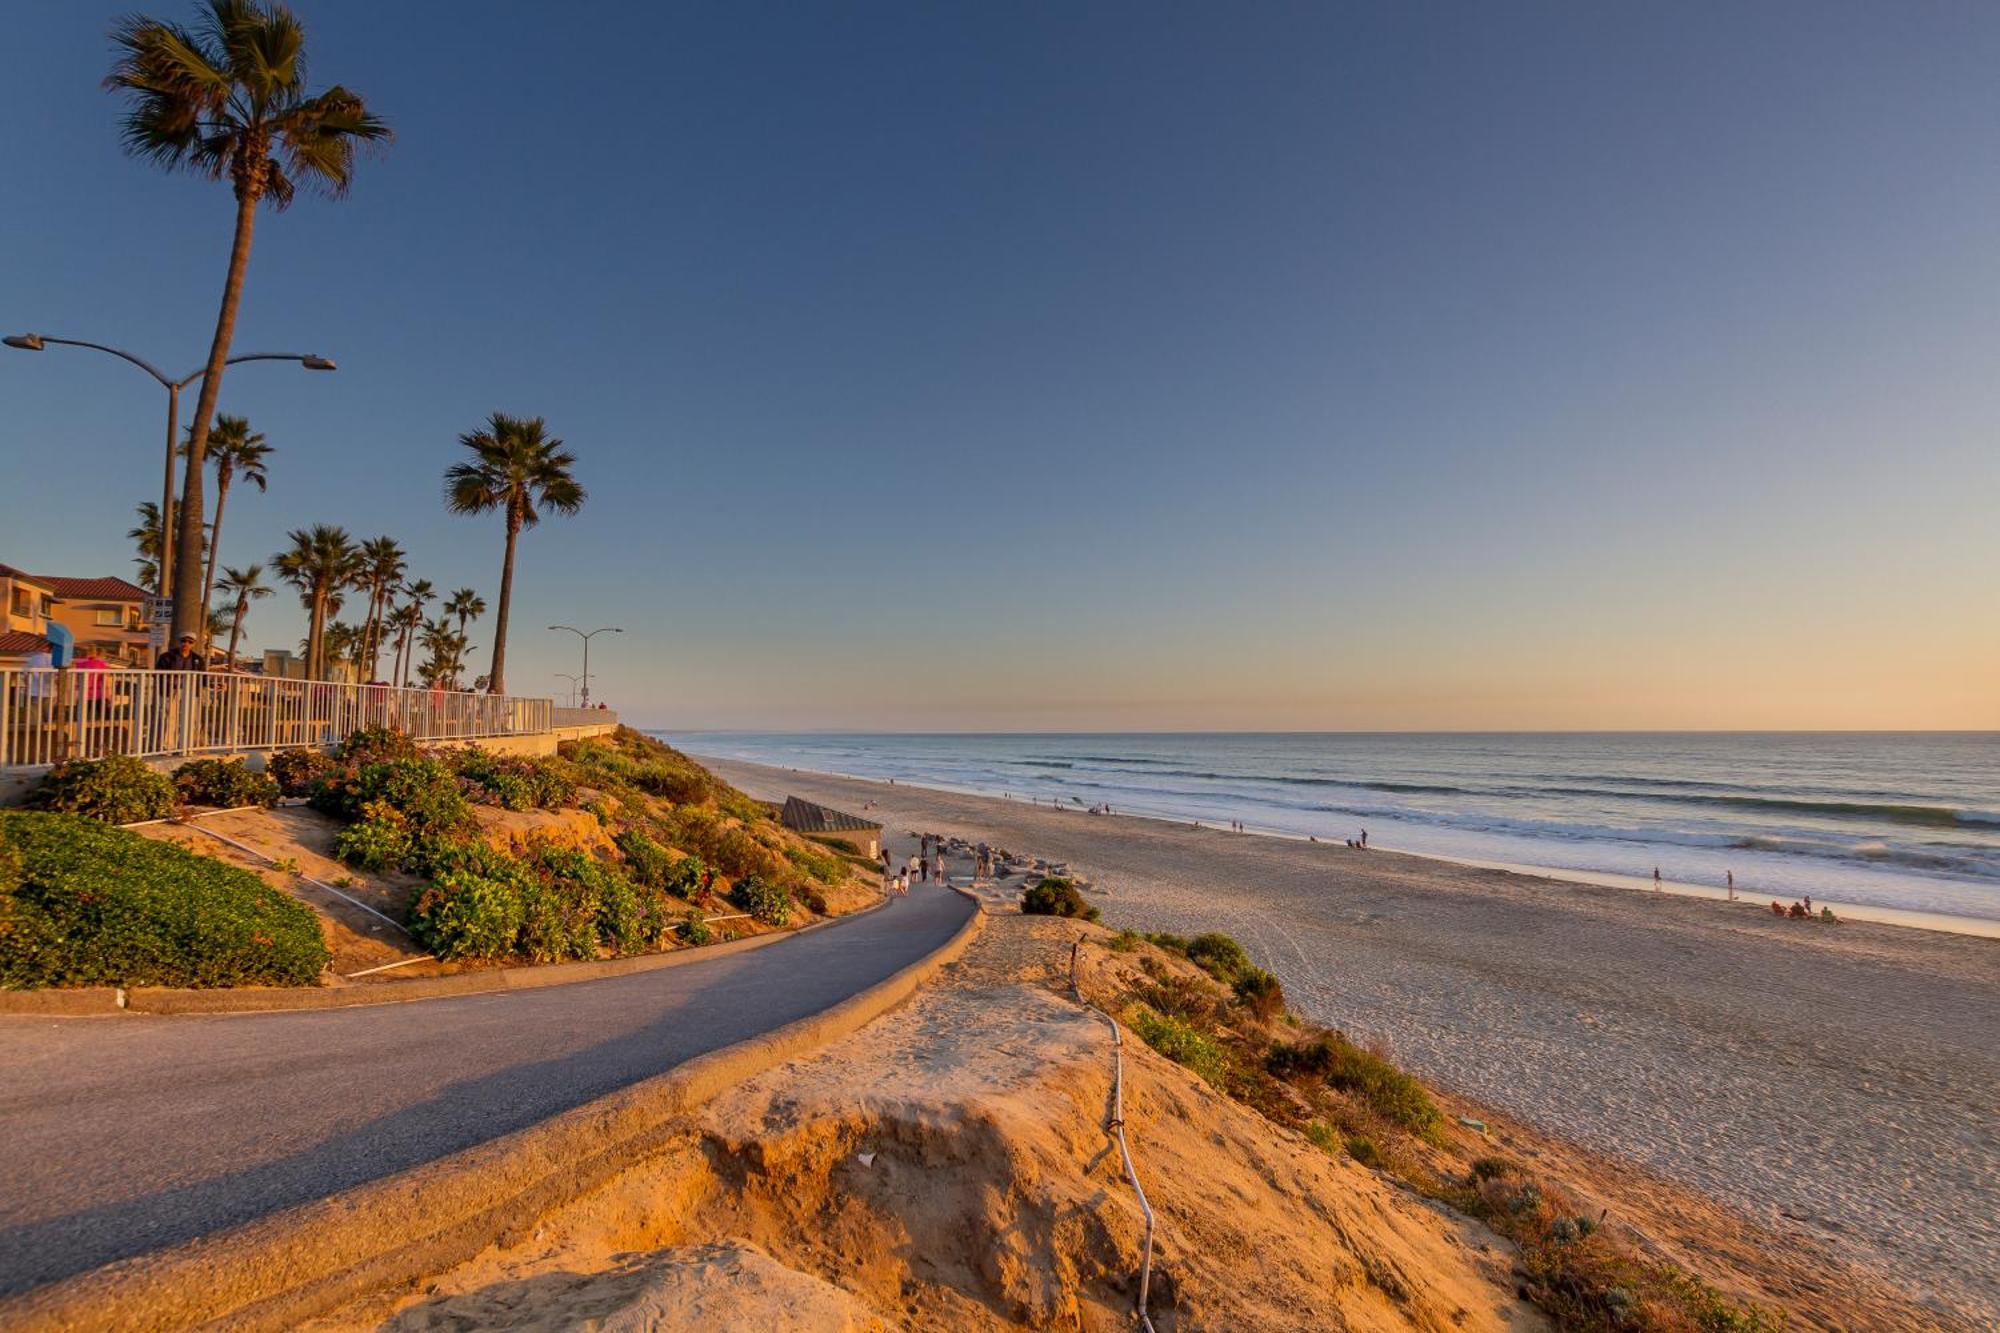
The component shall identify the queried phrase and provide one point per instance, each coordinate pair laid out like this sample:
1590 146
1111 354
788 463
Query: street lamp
572 685
608 629
35 342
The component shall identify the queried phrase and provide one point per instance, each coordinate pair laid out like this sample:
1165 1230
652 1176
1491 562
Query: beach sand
1837 1082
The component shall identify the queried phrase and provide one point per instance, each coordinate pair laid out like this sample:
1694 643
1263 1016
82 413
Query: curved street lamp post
35 342
608 629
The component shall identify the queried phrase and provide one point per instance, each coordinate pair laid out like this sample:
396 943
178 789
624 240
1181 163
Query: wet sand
1844 1080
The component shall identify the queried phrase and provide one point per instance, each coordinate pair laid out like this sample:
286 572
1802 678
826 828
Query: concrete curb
105 1001
279 1270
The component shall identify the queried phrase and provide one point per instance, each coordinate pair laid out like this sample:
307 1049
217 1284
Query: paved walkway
122 1134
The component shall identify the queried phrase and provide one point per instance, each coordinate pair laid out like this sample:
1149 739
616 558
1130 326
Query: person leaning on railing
181 658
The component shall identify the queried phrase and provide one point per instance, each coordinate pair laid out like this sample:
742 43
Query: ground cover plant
1227 1024
83 904
116 790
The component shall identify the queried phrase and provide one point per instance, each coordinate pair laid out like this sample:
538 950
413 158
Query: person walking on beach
1656 879
1364 839
1731 880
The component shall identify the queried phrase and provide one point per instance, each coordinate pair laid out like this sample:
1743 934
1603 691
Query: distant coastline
1900 828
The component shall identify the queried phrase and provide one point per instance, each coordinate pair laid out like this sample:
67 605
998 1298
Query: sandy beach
1840 1082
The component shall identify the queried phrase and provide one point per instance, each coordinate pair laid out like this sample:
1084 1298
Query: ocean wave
1928 816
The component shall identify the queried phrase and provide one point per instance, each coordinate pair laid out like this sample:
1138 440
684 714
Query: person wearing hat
182 657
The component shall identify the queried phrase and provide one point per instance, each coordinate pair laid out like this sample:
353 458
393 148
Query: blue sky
1102 366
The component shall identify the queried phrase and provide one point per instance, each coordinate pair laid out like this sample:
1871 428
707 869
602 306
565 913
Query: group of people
928 864
1802 910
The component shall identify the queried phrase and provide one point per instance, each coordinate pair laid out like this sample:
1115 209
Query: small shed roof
803 816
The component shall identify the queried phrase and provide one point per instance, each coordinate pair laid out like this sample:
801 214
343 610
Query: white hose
1116 1126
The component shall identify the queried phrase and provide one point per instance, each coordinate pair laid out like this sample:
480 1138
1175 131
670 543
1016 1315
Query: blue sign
62 644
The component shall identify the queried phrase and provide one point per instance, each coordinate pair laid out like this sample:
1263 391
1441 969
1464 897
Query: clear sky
1100 366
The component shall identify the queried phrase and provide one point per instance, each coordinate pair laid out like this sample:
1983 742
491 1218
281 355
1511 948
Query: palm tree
445 646
519 469
244 586
384 564
341 645
229 98
403 620
235 448
146 537
467 605
320 562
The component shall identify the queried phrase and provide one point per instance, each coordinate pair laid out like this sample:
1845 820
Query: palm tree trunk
189 617
370 643
496 681
214 552
236 629
314 632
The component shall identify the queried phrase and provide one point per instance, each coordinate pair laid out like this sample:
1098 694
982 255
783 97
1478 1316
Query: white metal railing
48 716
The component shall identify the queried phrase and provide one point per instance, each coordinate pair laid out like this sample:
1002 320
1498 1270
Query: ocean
1899 821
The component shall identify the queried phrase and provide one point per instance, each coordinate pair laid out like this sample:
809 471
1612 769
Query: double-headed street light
35 342
572 685
608 629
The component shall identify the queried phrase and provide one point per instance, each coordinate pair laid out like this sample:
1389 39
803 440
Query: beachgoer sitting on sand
1799 912
1827 917
1777 908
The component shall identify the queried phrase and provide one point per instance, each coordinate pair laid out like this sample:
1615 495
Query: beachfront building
817 821
24 615
107 616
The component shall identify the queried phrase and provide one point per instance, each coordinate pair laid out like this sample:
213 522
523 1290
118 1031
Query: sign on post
159 621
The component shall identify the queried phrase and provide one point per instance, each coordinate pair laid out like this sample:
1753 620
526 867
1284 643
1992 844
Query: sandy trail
1842 1080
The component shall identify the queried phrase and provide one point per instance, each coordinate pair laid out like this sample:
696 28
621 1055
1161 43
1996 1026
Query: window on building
110 615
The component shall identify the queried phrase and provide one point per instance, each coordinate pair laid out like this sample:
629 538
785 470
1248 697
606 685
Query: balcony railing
48 716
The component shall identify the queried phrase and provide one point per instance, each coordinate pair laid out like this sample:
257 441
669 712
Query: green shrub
227 783
1126 942
375 745
1363 1150
380 840
470 913
1259 992
766 902
696 930
1218 955
295 771
1183 1044
424 791
1056 896
1171 943
722 843
1393 1094
514 782
824 866
97 906
1293 1060
116 790
646 860
1324 1136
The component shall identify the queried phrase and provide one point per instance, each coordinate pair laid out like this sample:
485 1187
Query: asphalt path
122 1134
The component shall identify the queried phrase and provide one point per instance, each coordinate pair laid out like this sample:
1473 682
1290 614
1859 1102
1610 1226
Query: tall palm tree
228 97
446 647
467 605
236 449
242 586
519 469
319 563
404 619
383 566
341 646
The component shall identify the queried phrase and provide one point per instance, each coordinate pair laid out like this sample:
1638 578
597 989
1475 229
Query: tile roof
13 641
103 590
805 817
